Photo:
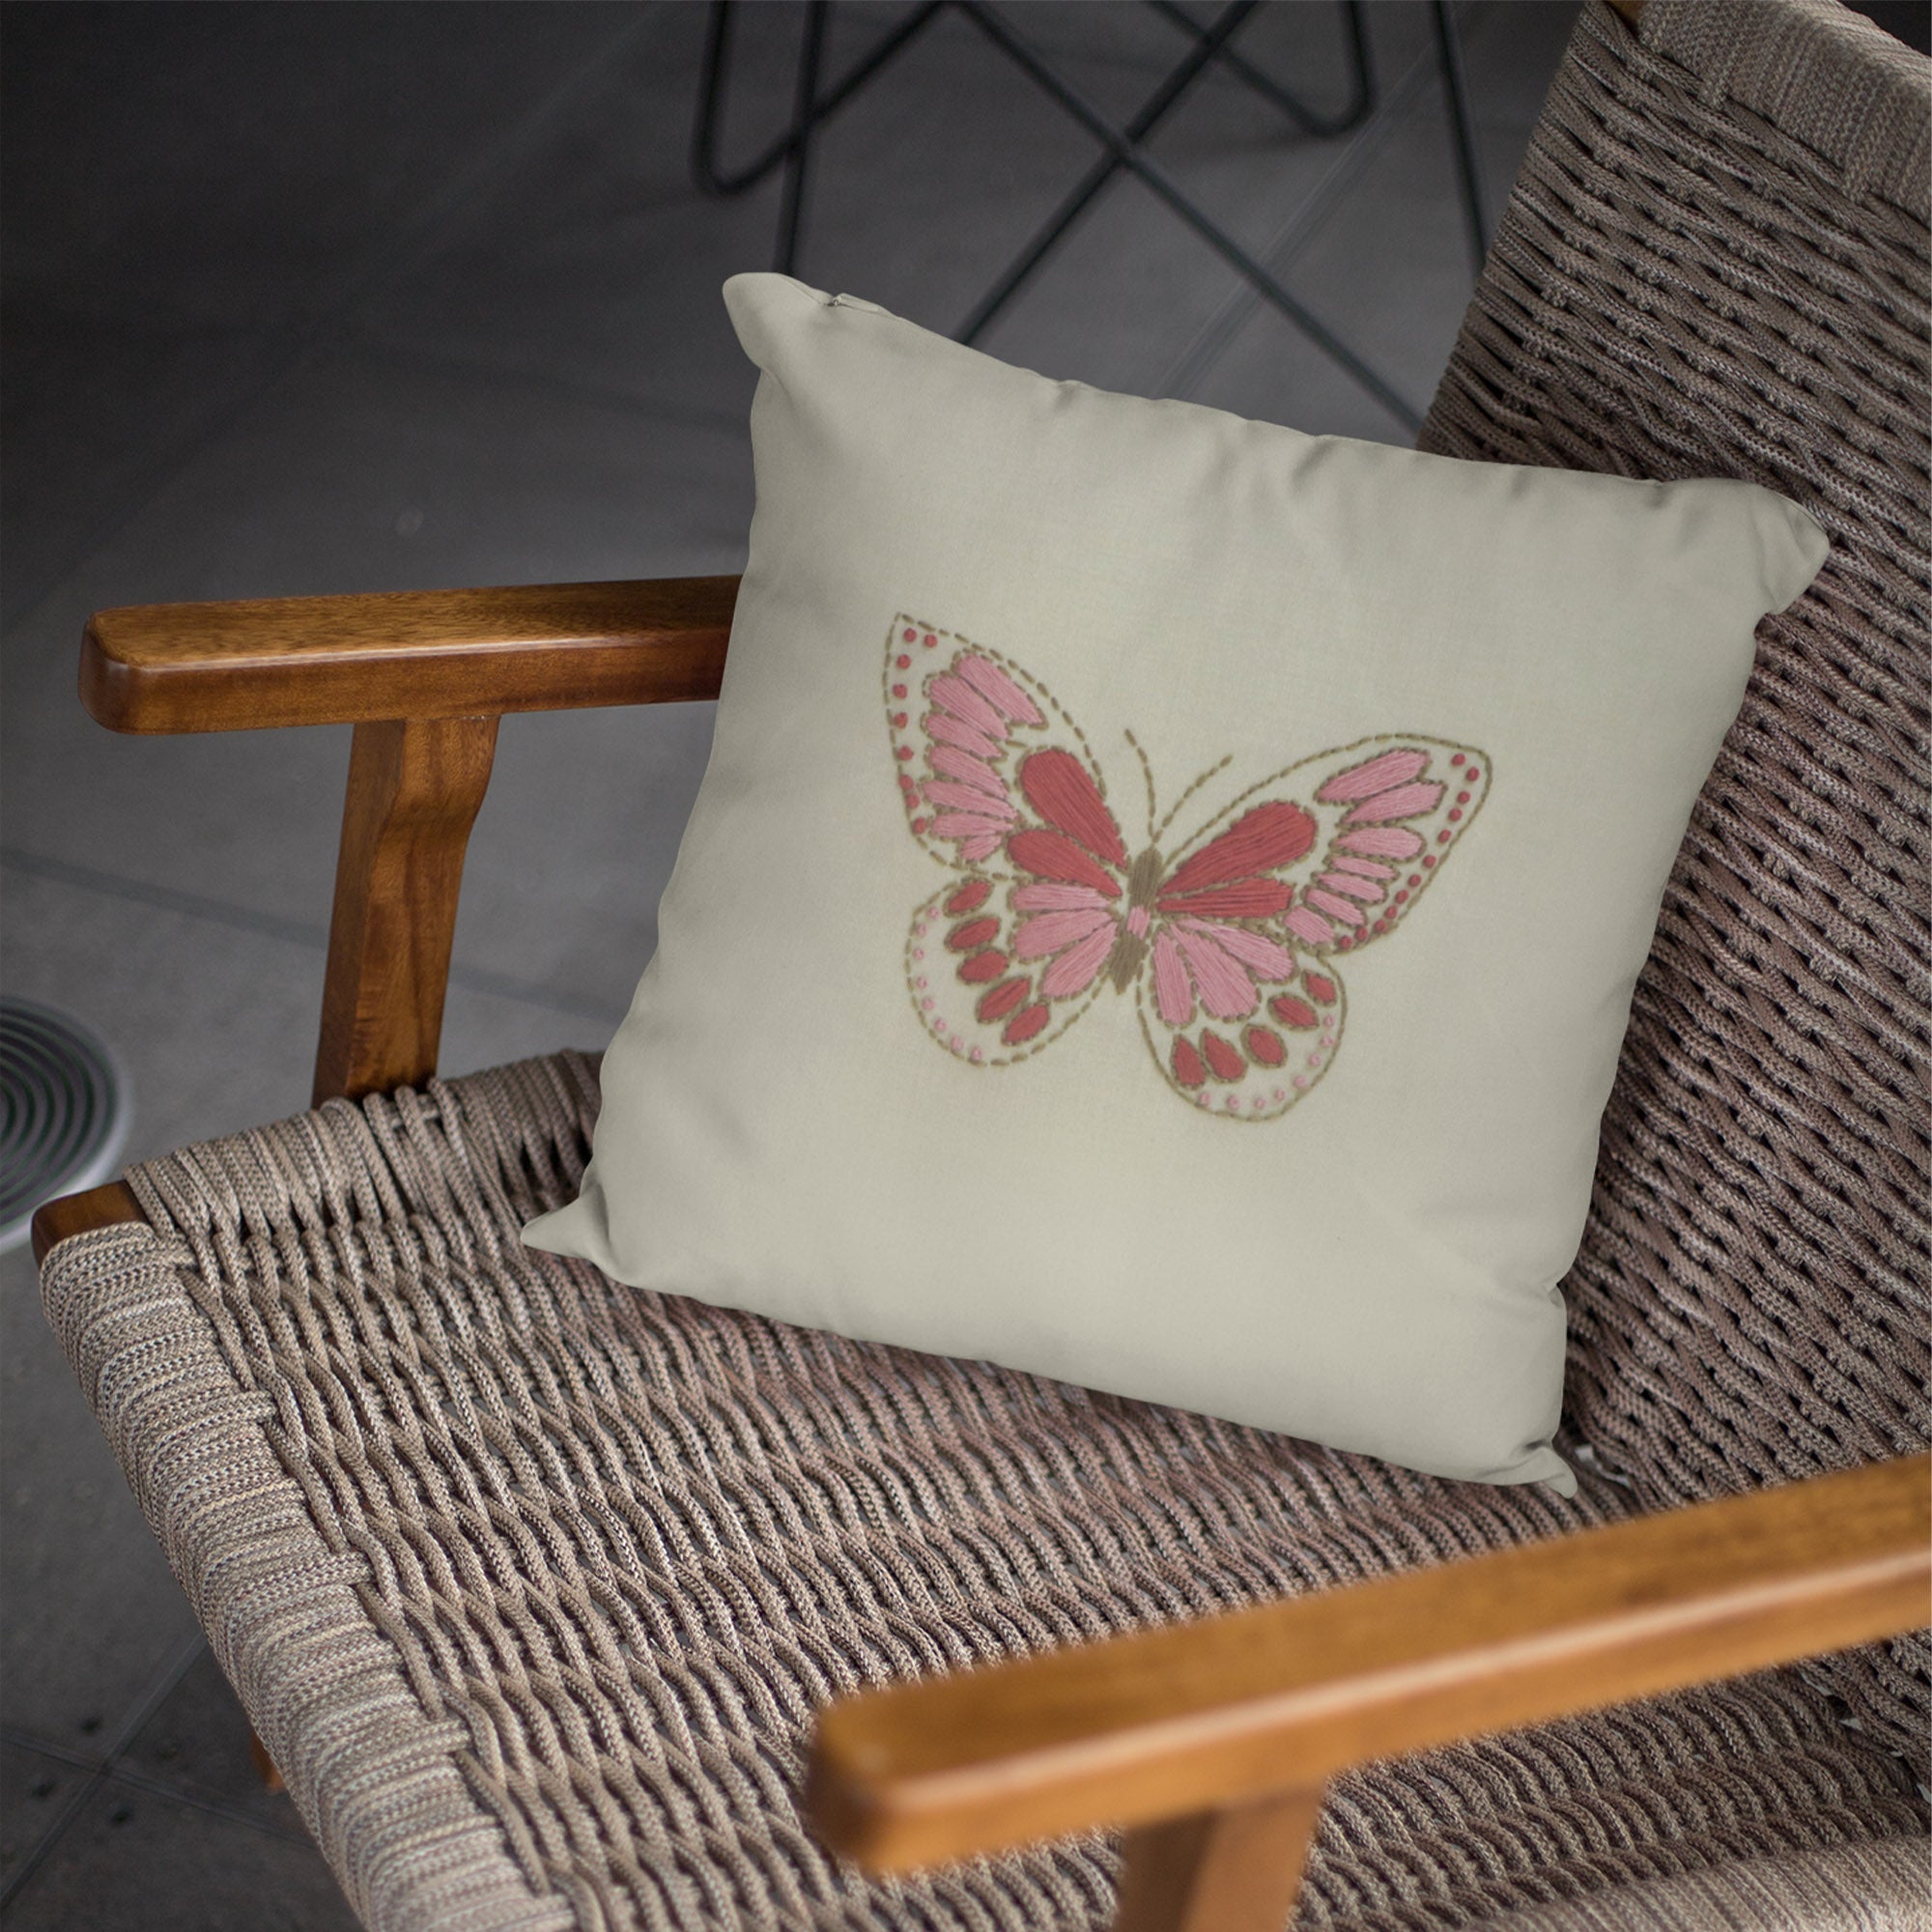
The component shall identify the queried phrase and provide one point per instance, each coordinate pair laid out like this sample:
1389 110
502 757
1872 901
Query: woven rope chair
537 1590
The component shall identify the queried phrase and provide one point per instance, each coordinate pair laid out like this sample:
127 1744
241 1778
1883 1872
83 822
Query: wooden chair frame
1211 1741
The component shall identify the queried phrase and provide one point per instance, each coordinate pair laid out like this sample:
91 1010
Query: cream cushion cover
1164 902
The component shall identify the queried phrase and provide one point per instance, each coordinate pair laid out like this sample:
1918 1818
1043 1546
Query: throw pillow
1164 902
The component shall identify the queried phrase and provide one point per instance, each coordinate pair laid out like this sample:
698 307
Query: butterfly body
1227 938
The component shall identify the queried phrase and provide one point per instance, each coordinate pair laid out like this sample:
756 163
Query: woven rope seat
568 1568
534 1585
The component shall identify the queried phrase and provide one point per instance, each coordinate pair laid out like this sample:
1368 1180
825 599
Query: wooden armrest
417 654
1186 1720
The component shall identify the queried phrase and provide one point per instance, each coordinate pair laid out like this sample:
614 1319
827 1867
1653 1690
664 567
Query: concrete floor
360 297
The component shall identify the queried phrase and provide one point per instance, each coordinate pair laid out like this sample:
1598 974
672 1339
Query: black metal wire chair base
1124 145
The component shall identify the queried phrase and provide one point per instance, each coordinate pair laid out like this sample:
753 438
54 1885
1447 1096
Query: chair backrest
1715 263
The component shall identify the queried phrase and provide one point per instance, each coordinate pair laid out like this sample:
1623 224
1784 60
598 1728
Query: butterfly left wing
1000 786
981 981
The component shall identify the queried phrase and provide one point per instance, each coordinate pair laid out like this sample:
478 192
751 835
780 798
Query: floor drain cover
63 1111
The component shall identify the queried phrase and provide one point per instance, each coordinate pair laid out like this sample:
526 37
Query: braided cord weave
576 1564
1715 263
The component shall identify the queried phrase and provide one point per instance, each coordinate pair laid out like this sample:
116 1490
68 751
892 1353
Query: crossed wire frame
1124 143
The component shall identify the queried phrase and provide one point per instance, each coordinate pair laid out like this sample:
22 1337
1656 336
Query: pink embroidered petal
951 731
999 690
1368 890
1391 768
959 698
1390 842
979 846
1269 836
1040 898
1403 802
966 768
1363 869
1172 990
1079 966
1062 791
964 798
1225 989
967 825
1049 931
1308 925
1350 915
1255 951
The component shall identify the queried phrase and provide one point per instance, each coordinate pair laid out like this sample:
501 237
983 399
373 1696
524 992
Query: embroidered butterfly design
1229 937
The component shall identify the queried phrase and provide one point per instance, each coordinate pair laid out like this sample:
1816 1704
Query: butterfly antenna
1147 773
1160 831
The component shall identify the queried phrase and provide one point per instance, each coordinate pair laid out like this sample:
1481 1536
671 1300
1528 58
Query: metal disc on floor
63 1111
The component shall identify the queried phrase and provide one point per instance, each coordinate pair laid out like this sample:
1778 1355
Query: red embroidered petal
1320 987
1052 855
1002 999
973 934
1024 1024
1062 791
1223 1062
1242 898
1294 1013
1188 1069
969 897
1265 1047
983 966
1271 835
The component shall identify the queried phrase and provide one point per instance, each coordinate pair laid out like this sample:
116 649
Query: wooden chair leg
1237 1870
413 790
265 1765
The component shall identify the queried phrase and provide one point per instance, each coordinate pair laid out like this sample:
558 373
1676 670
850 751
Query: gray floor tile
262 158
95 408
195 1746
1392 258
923 189
355 475
135 1860
88 1610
37 1793
215 1020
